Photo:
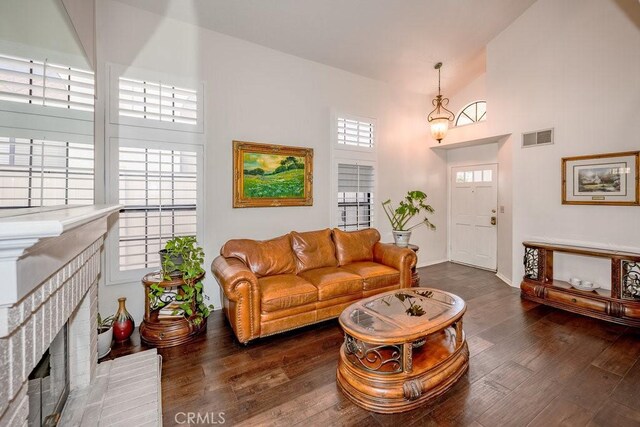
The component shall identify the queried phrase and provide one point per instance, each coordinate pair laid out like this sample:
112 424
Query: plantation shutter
355 133
157 101
44 173
159 191
355 196
42 83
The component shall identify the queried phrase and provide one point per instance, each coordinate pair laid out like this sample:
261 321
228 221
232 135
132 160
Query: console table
620 304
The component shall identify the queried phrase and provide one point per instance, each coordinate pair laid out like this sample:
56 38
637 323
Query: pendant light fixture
440 117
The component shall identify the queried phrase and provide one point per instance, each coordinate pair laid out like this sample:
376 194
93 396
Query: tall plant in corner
400 216
184 258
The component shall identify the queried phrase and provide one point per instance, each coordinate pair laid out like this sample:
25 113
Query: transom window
157 101
355 133
41 83
474 112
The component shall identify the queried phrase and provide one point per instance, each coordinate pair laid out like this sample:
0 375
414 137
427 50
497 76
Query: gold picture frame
611 179
268 175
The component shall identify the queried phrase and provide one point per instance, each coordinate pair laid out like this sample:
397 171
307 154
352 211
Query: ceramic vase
401 238
123 323
104 341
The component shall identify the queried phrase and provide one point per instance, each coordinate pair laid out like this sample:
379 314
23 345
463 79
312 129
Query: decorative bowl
593 287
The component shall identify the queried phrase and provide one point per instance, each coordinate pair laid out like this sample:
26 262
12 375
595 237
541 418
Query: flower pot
105 336
123 323
401 238
175 259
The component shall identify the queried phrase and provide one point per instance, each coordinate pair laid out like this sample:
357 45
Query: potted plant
182 257
399 217
105 335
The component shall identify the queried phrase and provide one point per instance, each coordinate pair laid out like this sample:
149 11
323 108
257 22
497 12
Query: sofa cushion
354 246
333 282
264 258
375 275
313 249
284 291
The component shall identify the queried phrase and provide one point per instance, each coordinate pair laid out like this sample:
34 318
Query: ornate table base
398 378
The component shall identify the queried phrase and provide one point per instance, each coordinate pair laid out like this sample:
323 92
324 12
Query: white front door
474 214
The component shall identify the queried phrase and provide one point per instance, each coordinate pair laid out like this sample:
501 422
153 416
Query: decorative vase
123 323
401 238
105 336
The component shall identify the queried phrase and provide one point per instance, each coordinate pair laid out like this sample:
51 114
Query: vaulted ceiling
396 41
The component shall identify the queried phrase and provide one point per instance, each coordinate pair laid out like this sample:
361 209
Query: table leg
407 357
459 333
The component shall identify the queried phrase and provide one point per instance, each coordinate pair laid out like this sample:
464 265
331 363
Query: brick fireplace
50 262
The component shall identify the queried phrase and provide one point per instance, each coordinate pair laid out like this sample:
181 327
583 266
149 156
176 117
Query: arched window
474 112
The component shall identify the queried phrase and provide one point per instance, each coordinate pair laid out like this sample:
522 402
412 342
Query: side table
415 278
159 327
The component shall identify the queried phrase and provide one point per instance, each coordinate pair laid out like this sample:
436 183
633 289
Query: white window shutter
45 173
355 133
158 189
42 83
355 196
157 101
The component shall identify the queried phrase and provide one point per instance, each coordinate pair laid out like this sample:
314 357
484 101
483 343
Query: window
157 101
474 112
485 175
45 173
353 166
42 83
355 133
158 188
355 196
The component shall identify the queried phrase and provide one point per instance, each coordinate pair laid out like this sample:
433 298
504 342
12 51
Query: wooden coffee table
402 348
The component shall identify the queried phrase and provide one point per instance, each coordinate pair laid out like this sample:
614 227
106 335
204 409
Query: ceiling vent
540 137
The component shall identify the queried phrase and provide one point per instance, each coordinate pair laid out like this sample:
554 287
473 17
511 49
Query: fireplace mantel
50 265
28 252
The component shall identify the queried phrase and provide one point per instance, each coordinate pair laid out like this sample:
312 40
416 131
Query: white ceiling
396 41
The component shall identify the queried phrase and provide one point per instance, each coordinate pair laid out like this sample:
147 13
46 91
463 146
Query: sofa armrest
402 259
242 292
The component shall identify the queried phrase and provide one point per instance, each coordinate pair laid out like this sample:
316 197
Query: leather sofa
302 278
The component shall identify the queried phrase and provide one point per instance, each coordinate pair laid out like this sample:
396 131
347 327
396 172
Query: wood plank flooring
530 365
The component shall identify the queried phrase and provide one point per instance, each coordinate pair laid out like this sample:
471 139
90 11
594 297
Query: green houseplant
182 257
399 216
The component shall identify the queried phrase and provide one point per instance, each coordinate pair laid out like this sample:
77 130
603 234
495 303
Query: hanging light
440 117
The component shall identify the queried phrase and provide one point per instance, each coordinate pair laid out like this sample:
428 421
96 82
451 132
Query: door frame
449 210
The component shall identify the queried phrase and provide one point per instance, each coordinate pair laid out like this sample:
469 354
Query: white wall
258 94
573 65
40 29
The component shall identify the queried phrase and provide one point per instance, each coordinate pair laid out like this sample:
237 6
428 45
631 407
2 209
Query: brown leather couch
302 278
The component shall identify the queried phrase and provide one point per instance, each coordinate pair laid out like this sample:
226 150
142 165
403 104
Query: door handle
493 220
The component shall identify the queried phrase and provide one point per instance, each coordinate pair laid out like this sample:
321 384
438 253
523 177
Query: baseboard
504 279
427 264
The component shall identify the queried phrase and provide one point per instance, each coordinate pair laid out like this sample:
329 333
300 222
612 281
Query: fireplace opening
49 383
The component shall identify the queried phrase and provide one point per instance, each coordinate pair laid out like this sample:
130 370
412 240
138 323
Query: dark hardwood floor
530 365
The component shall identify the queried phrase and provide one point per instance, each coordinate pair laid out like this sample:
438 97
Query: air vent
541 137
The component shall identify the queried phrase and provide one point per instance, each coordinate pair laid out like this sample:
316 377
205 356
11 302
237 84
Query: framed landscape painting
601 179
271 175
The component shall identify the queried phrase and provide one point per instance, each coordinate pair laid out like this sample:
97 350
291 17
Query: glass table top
403 308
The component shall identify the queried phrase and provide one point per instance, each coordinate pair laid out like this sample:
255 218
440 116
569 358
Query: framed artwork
601 179
271 175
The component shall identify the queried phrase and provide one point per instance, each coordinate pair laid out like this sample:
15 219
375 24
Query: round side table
160 328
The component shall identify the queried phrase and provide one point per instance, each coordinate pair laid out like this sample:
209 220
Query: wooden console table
620 304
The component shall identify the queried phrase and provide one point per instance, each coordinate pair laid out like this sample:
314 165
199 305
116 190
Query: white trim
428 263
504 279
